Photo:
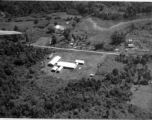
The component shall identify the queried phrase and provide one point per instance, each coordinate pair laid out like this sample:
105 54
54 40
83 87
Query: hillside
108 85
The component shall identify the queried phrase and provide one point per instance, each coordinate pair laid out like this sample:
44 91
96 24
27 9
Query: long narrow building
67 64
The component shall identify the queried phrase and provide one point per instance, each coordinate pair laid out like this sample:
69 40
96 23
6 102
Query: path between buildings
110 53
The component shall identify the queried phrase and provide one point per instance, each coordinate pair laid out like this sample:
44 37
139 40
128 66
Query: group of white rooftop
59 65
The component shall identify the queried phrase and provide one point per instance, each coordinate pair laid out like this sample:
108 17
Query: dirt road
110 53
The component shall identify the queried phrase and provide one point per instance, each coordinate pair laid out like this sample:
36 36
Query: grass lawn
90 66
94 35
143 97
42 41
21 25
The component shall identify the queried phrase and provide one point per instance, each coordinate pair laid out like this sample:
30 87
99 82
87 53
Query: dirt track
112 53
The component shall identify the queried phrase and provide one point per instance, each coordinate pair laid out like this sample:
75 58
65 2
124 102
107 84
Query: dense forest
104 10
22 97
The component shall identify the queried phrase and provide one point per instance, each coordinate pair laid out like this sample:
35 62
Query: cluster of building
59 65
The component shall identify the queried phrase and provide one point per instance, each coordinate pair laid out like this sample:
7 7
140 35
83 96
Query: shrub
108 47
36 21
117 38
72 12
15 28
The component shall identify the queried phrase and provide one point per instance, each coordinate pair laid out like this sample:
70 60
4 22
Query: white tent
79 61
54 68
67 64
59 69
54 60
4 32
131 45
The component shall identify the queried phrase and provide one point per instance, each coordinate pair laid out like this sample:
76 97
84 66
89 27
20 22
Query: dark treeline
104 10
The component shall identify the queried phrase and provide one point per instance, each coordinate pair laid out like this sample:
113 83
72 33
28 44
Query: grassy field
21 25
90 66
94 35
142 97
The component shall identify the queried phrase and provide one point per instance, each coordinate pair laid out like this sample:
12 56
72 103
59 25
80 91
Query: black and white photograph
76 59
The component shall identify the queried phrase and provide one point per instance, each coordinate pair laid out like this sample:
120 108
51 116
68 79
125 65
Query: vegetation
139 75
21 96
104 10
23 93
16 28
117 38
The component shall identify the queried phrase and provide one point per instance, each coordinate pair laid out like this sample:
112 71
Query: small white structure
116 50
50 56
80 62
54 60
59 69
91 75
71 43
67 23
54 68
131 45
67 64
59 27
130 40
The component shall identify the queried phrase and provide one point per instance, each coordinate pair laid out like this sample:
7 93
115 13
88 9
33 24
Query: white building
67 64
131 45
54 68
80 62
59 69
54 60
59 27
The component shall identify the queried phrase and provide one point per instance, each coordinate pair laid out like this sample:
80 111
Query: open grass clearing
90 66
20 25
94 35
142 97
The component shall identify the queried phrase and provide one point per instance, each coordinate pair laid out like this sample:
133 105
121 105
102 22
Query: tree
26 37
117 38
55 23
115 72
66 33
3 29
74 24
36 21
15 28
51 29
54 39
143 61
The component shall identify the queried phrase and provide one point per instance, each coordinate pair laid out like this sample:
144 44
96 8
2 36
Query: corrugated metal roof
67 64
79 61
54 68
60 68
54 60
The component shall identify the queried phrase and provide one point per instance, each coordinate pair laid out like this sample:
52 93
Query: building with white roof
59 69
131 45
59 27
54 68
54 60
67 64
80 62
